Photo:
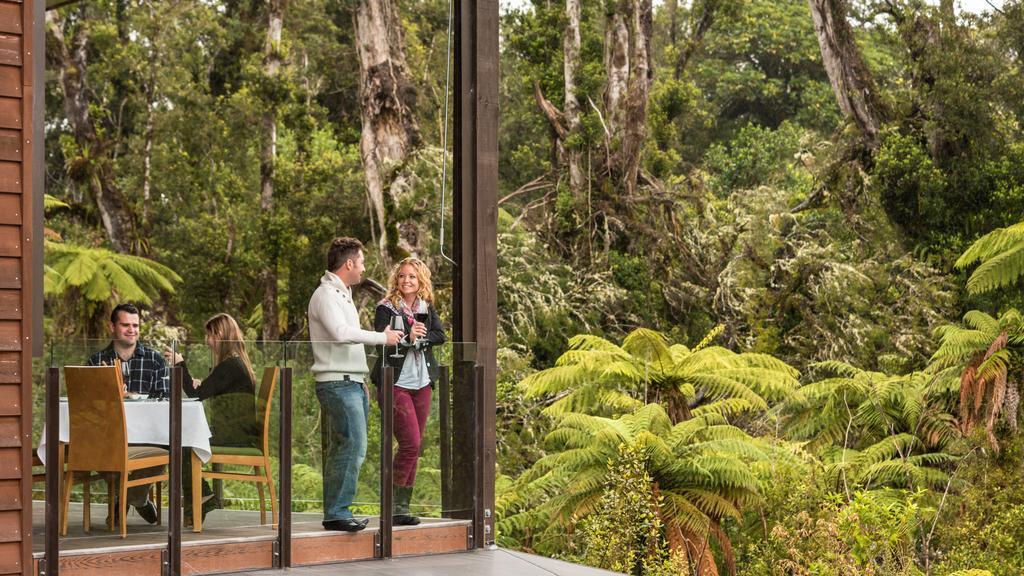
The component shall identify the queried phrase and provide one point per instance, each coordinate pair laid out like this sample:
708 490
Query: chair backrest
98 439
263 402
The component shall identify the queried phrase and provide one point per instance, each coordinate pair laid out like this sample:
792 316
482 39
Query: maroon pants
412 407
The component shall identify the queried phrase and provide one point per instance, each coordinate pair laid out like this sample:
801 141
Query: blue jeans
345 404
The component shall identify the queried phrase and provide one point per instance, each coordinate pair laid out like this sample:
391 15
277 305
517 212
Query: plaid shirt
145 372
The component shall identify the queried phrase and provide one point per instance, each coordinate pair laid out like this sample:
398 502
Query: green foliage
910 186
753 158
983 523
879 528
874 533
626 533
815 285
763 65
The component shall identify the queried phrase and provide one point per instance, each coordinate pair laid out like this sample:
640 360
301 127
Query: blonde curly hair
426 291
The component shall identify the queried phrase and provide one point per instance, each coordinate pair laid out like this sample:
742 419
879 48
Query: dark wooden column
476 251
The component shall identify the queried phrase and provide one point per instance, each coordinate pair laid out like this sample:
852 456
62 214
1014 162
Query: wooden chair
99 438
258 458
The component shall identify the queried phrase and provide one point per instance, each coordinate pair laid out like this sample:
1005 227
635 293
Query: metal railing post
444 405
54 472
387 423
481 517
284 522
174 476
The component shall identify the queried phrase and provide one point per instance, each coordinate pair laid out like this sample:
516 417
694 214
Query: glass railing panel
92 511
322 453
427 470
458 429
230 453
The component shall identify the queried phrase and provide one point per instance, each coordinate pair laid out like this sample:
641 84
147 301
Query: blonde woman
231 390
410 297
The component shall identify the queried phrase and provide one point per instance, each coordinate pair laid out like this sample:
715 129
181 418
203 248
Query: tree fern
1001 257
700 468
598 377
977 362
874 429
102 275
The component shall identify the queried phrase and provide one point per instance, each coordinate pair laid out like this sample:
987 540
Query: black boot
401 516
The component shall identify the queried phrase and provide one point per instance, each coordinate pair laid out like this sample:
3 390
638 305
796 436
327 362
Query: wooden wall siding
10 560
10 145
10 431
10 468
440 540
126 563
18 42
10 18
10 273
10 209
10 336
10 526
10 80
10 50
10 305
10 113
233 557
333 547
10 241
10 172
10 494
10 368
10 400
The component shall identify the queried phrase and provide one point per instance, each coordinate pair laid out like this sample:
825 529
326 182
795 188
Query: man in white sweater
339 365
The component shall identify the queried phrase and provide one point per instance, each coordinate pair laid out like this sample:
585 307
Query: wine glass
422 318
397 324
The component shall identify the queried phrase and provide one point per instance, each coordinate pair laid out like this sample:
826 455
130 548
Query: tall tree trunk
851 80
696 37
388 101
268 155
149 90
92 168
628 67
571 63
673 21
564 123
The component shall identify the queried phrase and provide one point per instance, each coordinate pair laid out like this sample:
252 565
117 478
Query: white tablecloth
147 423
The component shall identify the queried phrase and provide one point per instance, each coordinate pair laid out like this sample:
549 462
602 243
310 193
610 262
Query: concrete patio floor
498 562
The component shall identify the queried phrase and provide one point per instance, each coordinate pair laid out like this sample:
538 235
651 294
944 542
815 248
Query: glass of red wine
422 317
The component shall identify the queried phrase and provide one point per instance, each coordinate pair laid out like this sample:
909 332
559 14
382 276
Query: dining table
148 422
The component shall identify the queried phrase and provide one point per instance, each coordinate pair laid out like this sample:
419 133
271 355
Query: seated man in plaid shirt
144 372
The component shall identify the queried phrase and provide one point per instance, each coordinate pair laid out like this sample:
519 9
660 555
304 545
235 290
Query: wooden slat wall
16 243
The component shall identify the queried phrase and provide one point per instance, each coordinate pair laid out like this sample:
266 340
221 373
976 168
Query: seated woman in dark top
231 390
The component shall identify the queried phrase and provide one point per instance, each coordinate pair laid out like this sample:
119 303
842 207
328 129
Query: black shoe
210 503
405 520
147 512
346 524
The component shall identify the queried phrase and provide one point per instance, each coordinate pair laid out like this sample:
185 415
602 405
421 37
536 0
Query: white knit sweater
337 338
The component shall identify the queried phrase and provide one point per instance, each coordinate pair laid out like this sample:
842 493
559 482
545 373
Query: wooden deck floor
232 540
